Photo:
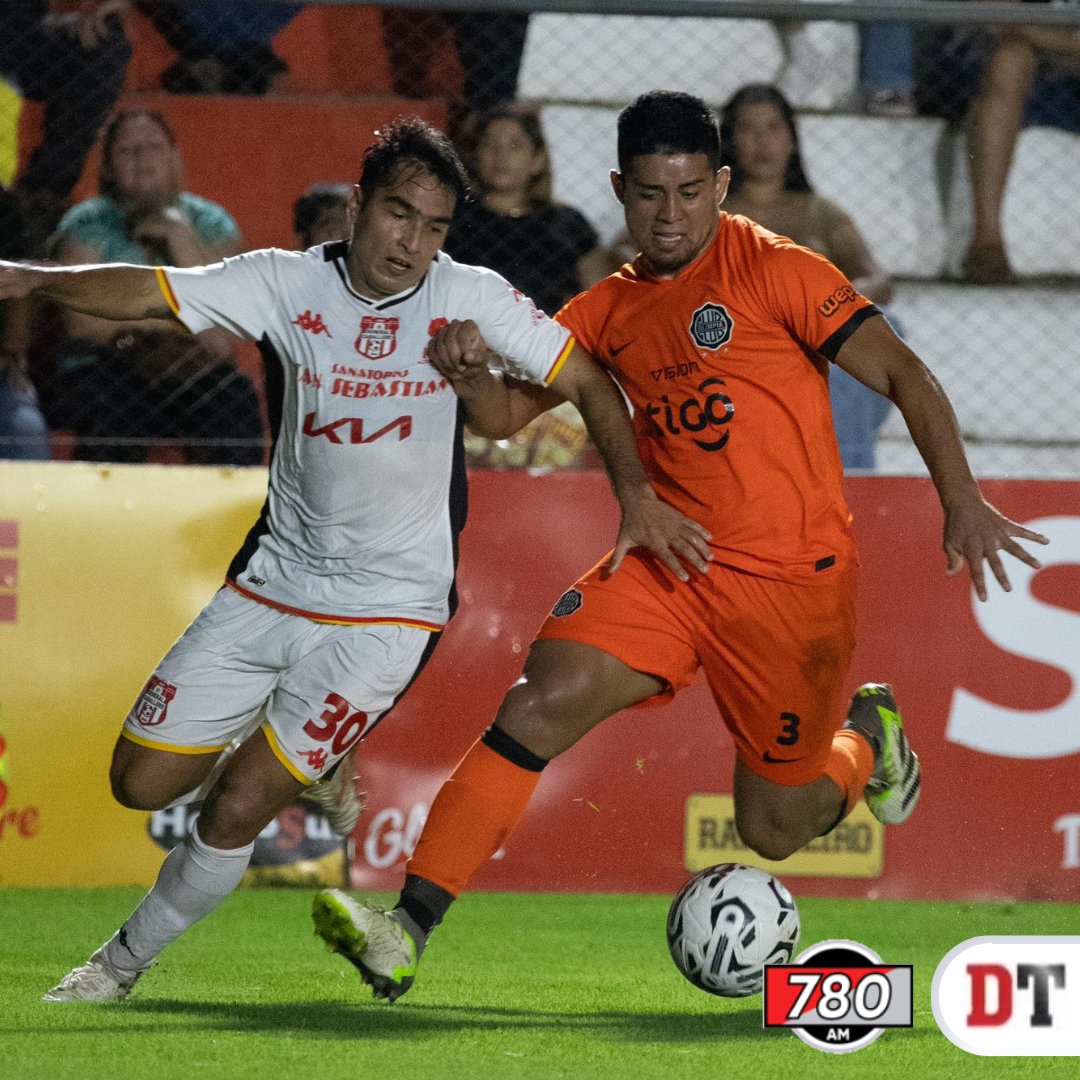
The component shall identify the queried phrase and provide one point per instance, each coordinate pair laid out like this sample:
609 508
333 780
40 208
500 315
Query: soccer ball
726 924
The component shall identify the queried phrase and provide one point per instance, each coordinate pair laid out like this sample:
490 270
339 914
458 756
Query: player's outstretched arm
646 521
975 532
111 291
495 408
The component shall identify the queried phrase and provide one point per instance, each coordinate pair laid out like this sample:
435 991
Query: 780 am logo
1010 996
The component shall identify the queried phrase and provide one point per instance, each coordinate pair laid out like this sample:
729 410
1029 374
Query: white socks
192 882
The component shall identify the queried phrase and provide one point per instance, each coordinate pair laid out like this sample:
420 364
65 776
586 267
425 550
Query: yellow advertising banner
854 849
101 568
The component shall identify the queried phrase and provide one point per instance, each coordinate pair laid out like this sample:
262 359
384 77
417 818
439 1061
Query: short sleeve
811 297
213 224
237 294
532 345
579 236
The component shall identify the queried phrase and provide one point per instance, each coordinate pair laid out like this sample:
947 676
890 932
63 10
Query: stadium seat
594 58
953 327
882 172
1046 243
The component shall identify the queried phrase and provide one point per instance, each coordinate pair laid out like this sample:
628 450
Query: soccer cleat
96 980
896 782
338 797
371 939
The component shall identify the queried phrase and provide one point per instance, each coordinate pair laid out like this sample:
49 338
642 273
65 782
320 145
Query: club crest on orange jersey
378 336
711 326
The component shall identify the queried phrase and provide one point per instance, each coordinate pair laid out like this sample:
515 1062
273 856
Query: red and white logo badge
378 336
153 703
1010 996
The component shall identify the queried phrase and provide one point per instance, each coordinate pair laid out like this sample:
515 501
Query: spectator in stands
489 45
136 383
548 251
23 432
74 63
224 45
1033 75
760 144
320 214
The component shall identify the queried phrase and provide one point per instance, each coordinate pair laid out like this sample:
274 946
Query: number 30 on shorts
338 724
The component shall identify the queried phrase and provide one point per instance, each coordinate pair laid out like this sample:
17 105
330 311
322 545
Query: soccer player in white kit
337 596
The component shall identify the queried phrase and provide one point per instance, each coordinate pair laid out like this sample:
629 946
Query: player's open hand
671 536
976 532
16 280
459 350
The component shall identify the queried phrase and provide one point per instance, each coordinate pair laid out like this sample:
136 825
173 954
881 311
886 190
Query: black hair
667 122
309 207
795 178
412 141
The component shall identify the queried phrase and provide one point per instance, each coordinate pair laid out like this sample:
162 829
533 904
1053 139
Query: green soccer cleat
371 939
896 782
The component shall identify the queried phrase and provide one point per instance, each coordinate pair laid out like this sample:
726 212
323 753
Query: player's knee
542 718
132 791
234 813
766 834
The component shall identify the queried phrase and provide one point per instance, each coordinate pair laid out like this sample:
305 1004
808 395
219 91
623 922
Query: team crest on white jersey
378 336
153 703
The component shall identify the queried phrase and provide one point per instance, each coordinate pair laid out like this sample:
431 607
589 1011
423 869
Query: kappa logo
312 324
316 758
568 603
711 326
153 704
378 336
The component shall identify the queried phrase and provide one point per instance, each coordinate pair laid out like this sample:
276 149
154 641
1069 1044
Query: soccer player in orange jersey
720 334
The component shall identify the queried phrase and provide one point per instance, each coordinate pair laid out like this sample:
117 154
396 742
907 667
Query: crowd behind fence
940 166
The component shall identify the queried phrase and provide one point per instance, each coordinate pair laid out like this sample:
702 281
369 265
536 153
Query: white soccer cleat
338 797
371 939
896 782
96 980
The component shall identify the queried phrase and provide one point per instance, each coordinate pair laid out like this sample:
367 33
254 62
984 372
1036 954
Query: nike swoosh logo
616 349
779 760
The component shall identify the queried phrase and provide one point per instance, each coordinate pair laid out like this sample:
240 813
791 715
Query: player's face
672 205
506 158
397 231
762 141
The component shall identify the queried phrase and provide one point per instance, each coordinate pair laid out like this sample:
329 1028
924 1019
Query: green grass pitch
512 986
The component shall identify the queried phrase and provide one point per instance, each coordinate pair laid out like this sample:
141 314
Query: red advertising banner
990 693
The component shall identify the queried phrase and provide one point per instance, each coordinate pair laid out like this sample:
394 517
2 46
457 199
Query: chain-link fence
941 161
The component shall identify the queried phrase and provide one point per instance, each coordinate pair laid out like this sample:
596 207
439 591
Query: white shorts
318 688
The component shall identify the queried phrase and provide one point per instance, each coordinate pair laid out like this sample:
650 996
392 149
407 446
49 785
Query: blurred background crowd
935 163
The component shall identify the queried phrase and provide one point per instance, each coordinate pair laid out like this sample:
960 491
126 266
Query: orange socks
850 764
475 810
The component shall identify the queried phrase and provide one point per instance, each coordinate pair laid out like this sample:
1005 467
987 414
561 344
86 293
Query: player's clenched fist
459 349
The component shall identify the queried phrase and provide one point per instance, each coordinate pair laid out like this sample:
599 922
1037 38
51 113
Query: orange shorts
776 655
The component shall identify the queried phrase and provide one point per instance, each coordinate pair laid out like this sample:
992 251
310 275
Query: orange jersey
726 366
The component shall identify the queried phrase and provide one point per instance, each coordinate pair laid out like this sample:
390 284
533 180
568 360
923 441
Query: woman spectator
122 386
546 250
760 144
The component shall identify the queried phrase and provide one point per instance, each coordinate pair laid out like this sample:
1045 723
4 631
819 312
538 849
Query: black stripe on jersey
274 376
836 340
337 257
336 249
459 498
433 639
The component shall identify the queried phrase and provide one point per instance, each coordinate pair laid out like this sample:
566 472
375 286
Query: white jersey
367 477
